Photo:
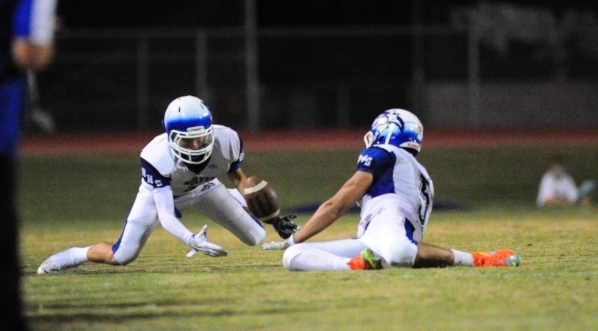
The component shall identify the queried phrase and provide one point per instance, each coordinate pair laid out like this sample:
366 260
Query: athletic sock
343 264
462 258
72 257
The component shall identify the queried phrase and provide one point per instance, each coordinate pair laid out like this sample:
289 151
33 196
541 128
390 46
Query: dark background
94 82
138 13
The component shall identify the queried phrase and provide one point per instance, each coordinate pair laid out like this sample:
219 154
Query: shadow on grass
146 311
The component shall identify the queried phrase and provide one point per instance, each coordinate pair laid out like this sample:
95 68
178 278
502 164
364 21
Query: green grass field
80 200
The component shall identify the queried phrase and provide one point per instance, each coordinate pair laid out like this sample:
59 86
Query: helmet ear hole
412 151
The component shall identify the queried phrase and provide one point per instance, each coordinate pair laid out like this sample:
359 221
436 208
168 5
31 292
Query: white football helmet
397 127
187 118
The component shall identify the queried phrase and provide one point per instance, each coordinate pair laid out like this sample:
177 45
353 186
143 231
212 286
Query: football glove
199 242
279 245
285 227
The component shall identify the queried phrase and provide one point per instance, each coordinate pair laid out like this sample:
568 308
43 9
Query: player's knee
290 254
404 255
252 238
126 260
124 257
251 241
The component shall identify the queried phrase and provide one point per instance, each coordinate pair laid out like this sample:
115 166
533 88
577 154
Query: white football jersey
160 166
557 185
398 179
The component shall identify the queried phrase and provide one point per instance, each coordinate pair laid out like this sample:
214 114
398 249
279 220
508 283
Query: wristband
291 241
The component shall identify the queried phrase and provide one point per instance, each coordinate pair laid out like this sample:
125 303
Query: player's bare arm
239 179
331 210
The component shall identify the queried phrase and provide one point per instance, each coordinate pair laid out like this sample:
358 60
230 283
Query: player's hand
285 227
199 242
279 245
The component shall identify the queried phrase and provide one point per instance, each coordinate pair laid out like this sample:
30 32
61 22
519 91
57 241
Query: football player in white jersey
179 170
395 193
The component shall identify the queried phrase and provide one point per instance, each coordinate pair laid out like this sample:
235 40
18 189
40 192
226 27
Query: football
262 200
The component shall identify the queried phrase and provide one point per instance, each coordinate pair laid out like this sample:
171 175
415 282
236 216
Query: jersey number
424 200
150 179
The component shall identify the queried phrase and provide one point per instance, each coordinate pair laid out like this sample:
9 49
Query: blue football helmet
188 119
397 127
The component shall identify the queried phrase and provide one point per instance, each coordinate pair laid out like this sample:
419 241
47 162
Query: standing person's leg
10 276
11 105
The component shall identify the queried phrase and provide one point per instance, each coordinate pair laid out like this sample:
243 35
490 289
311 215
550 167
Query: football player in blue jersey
395 194
179 170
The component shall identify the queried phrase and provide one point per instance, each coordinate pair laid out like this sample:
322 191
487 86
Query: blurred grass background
78 200
79 187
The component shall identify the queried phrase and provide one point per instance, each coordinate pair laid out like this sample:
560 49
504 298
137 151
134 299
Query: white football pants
387 233
213 200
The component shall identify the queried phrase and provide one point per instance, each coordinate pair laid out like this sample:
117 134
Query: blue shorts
12 103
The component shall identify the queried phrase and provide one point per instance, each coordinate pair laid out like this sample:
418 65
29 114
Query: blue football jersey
398 177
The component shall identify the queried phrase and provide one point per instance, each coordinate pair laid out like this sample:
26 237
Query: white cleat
49 266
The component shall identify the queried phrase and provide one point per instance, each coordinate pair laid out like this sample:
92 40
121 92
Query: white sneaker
50 266
71 258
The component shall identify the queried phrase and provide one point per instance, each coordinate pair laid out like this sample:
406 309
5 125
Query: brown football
262 199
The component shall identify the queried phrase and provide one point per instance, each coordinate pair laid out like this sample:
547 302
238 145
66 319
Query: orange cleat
365 260
500 258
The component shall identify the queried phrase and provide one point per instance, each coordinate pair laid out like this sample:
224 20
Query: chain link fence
309 78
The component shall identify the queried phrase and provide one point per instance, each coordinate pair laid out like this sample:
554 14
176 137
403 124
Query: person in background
558 188
26 43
